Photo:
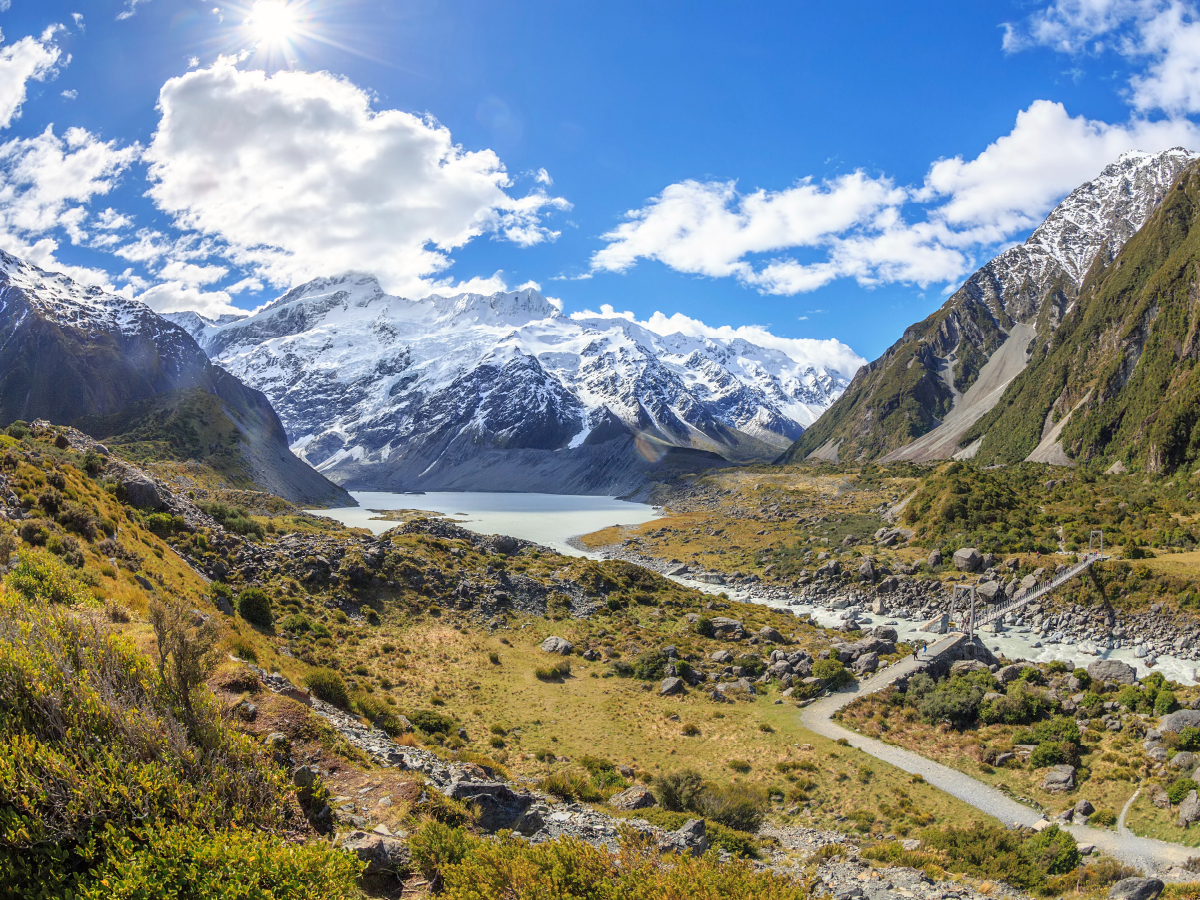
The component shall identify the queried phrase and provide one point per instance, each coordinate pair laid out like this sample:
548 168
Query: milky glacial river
547 519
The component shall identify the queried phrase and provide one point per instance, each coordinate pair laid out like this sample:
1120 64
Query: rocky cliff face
76 355
934 386
505 392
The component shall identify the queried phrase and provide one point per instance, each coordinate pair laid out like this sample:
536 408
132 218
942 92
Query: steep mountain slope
505 391
76 355
933 386
1118 379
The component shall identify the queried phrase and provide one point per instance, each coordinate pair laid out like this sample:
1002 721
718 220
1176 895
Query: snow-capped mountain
111 366
377 390
928 397
1095 219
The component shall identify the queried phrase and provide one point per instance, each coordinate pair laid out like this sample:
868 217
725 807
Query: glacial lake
547 519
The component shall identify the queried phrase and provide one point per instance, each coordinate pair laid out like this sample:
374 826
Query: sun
273 21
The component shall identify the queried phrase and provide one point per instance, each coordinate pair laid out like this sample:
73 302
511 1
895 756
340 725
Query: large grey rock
557 645
1084 808
771 635
1112 670
140 490
671 686
383 855
1179 720
1184 760
885 633
866 570
1136 889
1059 779
935 559
724 657
727 629
636 797
967 559
988 591
499 805
1009 673
867 663
693 837
1189 810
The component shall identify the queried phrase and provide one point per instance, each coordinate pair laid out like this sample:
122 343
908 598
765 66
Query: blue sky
819 175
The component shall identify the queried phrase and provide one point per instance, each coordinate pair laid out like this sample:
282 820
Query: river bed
547 519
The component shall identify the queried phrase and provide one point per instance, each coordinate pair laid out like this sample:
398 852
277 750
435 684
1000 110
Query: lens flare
273 21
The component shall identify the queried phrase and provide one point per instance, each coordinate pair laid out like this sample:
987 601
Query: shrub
1060 728
18 430
327 685
754 665
116 785
255 607
677 791
436 847
297 623
1165 703
1054 753
739 765
164 524
650 665
431 722
832 672
955 701
1105 818
569 786
734 806
556 672
703 626
990 851
39 578
93 463
1019 706
1189 738
691 730
567 867
1180 788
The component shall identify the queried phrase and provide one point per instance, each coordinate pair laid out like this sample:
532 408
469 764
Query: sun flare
273 20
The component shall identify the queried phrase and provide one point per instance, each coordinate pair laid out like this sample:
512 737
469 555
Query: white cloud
708 228
294 175
29 59
541 176
192 274
130 9
862 227
1018 178
77 18
176 296
831 353
70 95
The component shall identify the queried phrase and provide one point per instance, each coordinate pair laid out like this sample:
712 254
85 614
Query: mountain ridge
896 406
78 355
382 391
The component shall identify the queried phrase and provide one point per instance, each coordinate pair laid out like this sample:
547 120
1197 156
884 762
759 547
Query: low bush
832 672
255 607
327 685
739 843
1180 788
431 722
1189 739
1020 706
556 672
677 791
569 786
40 578
1105 818
481 869
1054 753
990 851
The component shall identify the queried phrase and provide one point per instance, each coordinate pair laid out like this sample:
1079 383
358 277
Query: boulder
727 629
1184 760
671 686
1112 670
967 559
557 645
724 657
771 635
692 837
989 591
1059 779
383 855
1189 810
1009 674
1084 808
139 490
499 805
1136 889
966 666
866 570
636 797
866 663
885 633
1158 796
1179 720
935 559
887 586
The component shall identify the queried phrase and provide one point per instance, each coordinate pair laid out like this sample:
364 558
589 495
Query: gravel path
1144 853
